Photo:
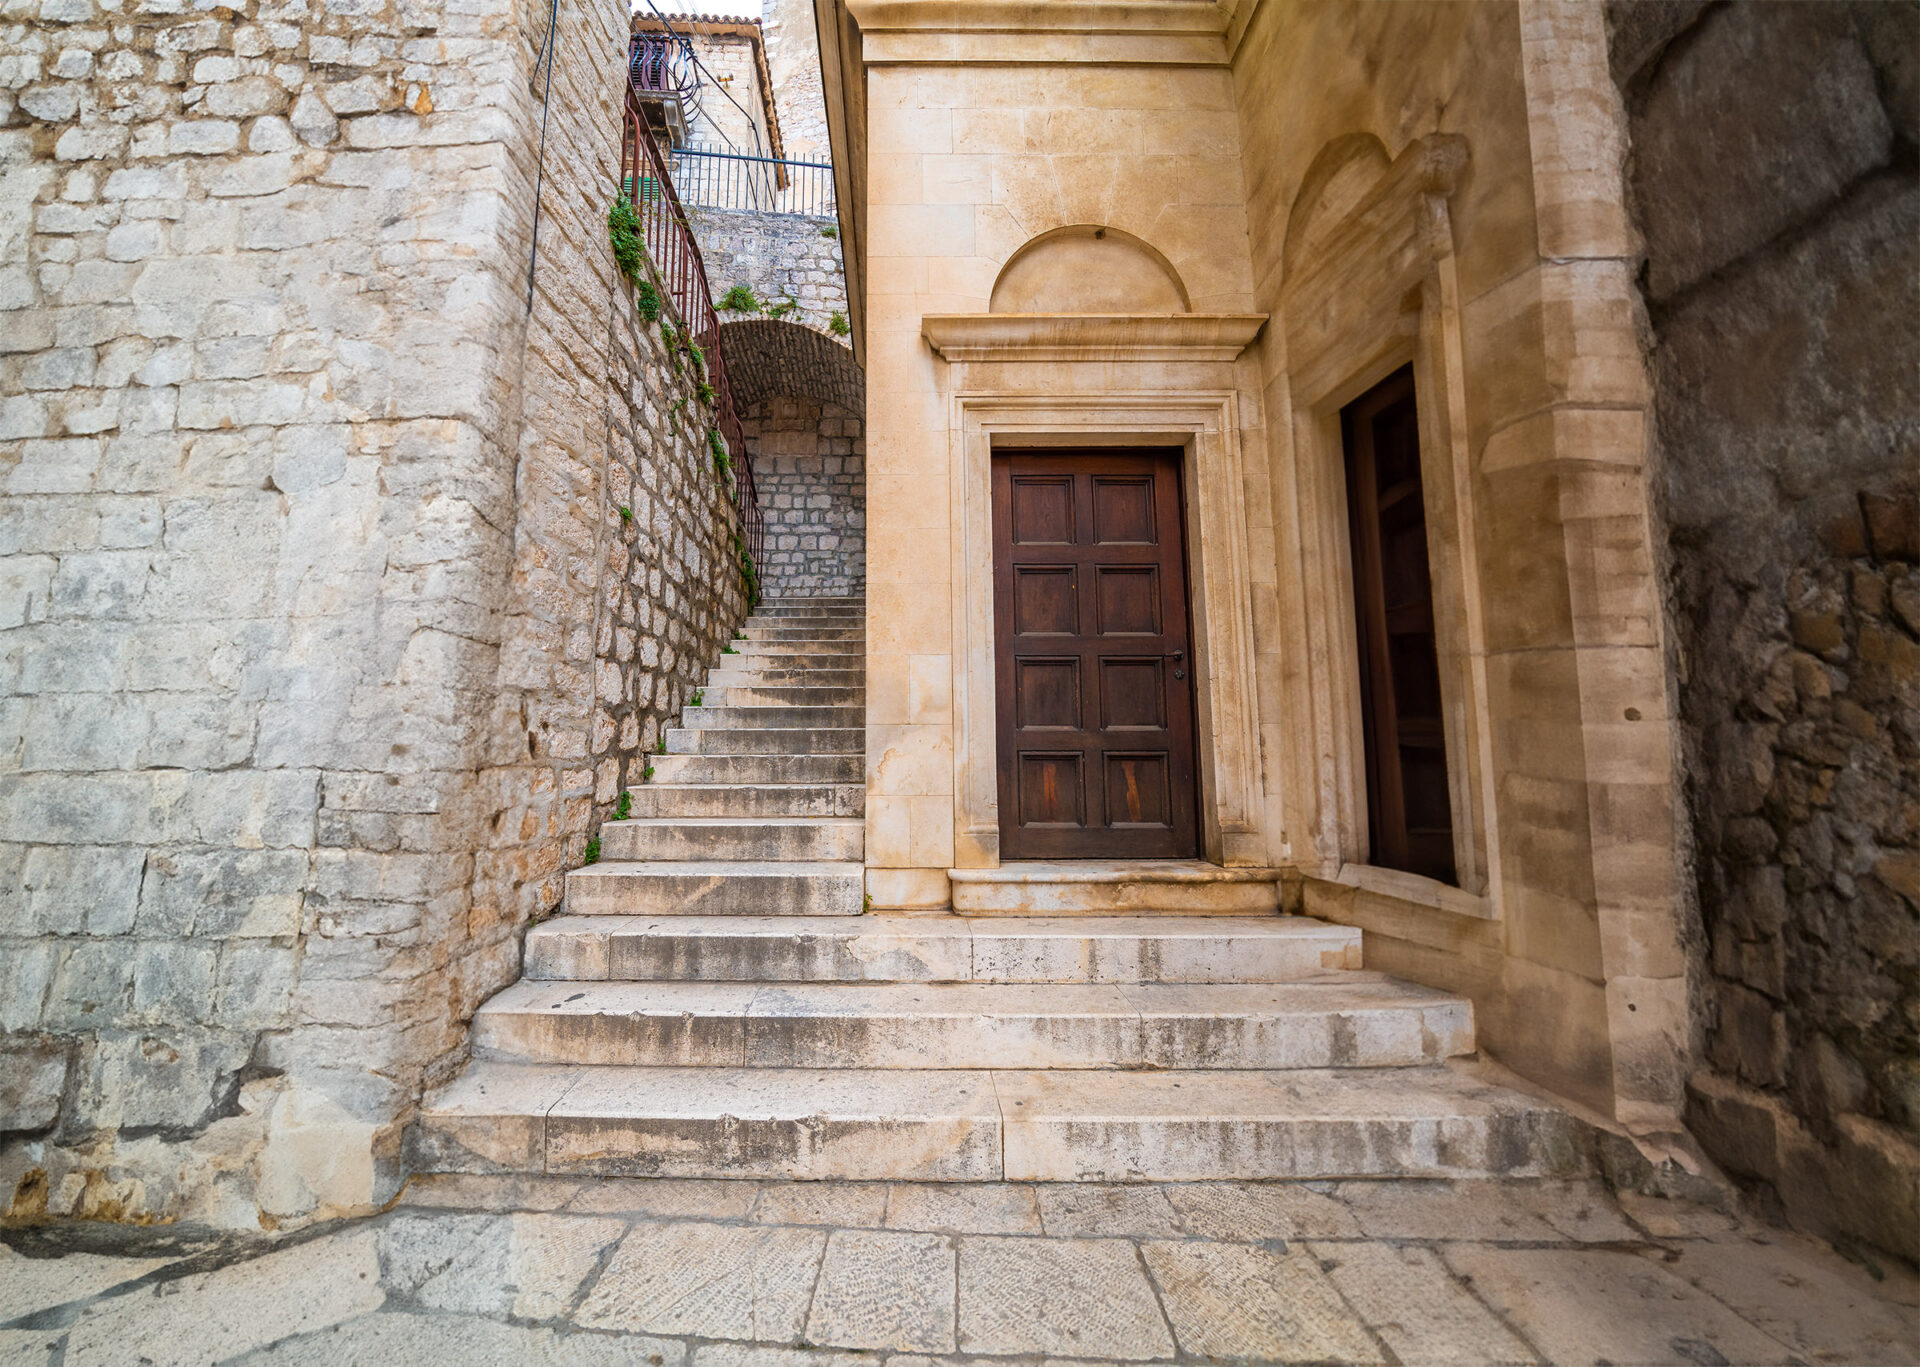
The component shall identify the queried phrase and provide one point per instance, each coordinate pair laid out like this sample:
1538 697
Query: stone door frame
1377 295
1124 408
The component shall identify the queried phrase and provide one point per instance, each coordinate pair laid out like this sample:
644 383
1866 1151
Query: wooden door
1409 804
1092 658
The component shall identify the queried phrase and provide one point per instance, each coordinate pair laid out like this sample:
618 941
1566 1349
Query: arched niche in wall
1343 174
1088 268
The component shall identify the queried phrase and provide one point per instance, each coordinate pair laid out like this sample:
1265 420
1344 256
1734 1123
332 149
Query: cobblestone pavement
725 1274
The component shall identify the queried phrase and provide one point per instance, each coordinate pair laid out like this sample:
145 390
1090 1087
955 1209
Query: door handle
1179 664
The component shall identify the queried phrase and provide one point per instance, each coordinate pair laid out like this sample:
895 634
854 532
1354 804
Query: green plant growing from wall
646 301
660 746
783 308
740 299
721 460
647 772
694 354
698 694
706 393
838 324
829 232
623 231
593 851
624 807
626 515
749 578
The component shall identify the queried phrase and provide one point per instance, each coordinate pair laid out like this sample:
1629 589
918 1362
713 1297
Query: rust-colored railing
663 226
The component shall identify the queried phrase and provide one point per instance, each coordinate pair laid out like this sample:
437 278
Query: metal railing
660 64
733 180
646 182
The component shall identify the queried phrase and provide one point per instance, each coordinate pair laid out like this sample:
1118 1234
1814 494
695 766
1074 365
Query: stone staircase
714 1002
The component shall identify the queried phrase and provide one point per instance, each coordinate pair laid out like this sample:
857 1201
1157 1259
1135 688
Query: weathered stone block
1767 112
33 1073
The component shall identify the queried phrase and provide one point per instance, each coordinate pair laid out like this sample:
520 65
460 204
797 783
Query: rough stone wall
793 56
315 654
809 460
779 256
1773 177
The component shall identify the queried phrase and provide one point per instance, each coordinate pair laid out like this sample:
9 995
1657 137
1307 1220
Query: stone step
843 600
784 674
806 632
1272 949
773 718
824 740
848 616
777 839
1114 887
760 665
960 1126
758 768
716 887
748 799
797 655
1348 1020
785 695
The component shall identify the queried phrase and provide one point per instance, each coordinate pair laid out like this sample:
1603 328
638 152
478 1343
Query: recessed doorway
1409 802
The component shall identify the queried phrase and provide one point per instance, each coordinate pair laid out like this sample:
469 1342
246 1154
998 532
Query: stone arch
767 356
1088 268
1346 170
802 401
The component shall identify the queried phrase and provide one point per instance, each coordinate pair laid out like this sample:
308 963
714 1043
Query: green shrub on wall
623 231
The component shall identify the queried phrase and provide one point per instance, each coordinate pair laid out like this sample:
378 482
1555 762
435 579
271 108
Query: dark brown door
1408 804
1091 656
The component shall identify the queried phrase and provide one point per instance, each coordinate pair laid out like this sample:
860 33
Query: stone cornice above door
1166 33
1090 336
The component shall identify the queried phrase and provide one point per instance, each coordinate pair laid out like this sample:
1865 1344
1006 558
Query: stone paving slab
475 1270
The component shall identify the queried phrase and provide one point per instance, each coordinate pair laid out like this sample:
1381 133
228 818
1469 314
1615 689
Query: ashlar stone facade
1654 287
343 576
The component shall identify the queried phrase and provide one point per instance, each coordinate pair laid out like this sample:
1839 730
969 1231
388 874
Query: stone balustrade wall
778 257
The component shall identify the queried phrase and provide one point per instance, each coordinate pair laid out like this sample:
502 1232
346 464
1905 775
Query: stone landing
715 1003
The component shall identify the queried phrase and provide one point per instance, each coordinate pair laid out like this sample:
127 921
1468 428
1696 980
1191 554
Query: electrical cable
540 169
700 66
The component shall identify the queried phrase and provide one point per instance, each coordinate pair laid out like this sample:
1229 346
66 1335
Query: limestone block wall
1772 175
809 459
778 256
321 628
1520 321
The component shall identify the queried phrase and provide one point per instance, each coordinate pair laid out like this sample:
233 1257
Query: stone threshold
1106 887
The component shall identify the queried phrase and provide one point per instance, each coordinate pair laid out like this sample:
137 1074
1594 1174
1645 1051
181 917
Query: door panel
1092 656
1409 807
